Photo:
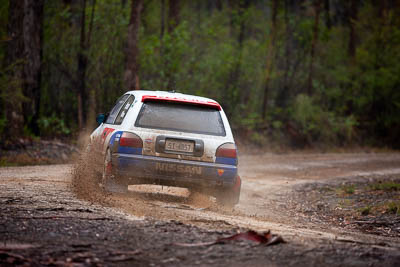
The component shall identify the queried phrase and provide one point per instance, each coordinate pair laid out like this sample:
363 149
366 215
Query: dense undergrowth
292 74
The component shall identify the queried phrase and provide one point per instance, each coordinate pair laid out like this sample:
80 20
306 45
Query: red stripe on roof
181 100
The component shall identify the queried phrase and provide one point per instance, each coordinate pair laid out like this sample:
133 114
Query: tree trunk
91 24
351 50
33 36
131 75
162 20
13 62
231 10
173 15
173 22
353 36
317 11
90 121
238 96
270 58
327 8
284 92
82 64
162 29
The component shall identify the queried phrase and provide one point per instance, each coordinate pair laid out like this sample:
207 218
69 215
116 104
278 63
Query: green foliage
348 189
317 124
3 21
386 186
3 124
53 126
11 100
223 54
365 211
11 86
393 207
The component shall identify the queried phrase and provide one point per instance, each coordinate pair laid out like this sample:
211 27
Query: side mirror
100 118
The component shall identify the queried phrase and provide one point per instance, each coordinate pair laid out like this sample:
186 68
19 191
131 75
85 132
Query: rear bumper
166 171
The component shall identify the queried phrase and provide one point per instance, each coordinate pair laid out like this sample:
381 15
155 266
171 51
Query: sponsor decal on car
178 168
105 133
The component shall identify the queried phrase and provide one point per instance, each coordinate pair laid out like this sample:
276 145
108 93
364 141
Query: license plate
179 145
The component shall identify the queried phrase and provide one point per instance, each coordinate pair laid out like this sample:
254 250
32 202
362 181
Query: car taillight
226 154
227 150
130 140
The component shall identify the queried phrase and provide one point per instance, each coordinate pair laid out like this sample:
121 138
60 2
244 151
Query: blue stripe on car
129 150
223 160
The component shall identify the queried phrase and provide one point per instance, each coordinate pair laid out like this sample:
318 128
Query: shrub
53 126
316 124
393 207
365 211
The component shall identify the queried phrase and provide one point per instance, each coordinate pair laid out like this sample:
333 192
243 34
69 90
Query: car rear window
180 117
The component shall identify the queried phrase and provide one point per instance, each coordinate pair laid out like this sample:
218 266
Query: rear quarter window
114 112
181 117
124 110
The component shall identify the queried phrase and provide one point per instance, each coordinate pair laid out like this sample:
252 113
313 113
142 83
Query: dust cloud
159 202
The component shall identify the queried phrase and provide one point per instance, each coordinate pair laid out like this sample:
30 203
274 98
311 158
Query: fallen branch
265 238
16 246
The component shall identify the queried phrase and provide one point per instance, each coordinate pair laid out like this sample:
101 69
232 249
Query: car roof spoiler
211 104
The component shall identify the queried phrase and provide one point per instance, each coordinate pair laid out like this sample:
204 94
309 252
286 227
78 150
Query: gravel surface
43 222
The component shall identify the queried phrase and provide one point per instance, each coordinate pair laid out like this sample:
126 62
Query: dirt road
43 222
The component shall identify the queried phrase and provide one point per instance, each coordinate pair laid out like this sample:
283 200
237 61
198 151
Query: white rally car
168 138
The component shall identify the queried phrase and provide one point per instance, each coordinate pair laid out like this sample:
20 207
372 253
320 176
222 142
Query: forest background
304 73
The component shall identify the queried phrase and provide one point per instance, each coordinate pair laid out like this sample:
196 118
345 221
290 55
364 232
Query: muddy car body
166 138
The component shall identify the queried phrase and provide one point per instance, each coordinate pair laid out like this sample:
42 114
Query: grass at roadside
348 189
378 197
394 207
371 206
386 186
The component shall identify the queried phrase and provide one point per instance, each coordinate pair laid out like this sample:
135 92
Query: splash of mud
86 174
140 200
158 202
86 179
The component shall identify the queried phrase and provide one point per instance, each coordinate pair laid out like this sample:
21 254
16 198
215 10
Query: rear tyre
229 197
110 181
